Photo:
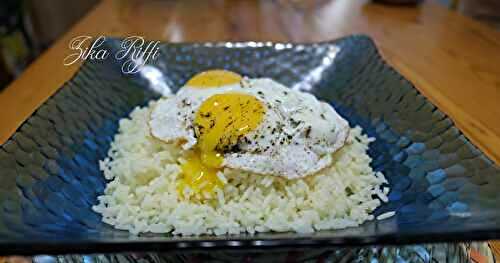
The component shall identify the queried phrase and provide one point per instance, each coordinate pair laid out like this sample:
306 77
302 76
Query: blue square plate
442 187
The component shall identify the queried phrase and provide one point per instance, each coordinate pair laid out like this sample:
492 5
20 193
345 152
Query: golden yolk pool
220 122
214 78
223 119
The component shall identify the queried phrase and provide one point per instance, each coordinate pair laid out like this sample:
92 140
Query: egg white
296 137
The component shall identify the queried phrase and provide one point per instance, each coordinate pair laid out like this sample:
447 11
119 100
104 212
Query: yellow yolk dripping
198 176
214 78
220 122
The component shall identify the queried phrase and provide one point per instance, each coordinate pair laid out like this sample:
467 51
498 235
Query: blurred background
28 27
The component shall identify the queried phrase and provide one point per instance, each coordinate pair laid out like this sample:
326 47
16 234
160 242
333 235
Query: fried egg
222 119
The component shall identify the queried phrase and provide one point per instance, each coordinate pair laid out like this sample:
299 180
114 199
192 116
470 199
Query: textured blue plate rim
44 246
164 245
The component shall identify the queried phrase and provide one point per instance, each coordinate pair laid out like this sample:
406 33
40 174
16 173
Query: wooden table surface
453 60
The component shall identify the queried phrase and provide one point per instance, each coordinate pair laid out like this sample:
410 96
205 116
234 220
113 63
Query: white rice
386 215
141 195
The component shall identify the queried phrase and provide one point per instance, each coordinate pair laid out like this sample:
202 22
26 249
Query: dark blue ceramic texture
422 253
442 187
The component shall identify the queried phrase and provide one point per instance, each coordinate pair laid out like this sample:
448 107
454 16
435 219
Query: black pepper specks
295 123
185 102
308 131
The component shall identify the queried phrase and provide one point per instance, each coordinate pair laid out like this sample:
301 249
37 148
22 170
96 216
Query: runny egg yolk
199 177
214 78
223 119
220 122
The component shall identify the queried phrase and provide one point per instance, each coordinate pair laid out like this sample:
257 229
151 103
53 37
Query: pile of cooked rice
142 194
